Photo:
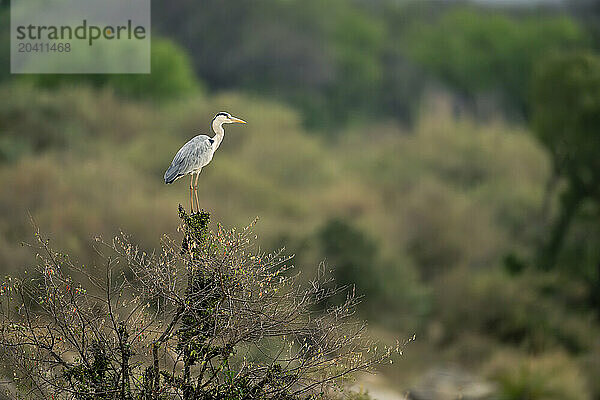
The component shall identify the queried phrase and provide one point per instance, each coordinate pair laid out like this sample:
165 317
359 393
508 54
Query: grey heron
197 153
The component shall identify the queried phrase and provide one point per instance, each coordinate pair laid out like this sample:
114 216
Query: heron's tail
172 174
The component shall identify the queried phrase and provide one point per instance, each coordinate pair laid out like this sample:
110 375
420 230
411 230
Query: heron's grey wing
192 156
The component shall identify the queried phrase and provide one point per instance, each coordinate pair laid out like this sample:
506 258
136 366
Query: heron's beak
234 119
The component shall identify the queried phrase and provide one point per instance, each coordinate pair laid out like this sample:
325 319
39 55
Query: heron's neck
219 134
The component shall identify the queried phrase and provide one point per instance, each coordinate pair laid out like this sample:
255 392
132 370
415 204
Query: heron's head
226 118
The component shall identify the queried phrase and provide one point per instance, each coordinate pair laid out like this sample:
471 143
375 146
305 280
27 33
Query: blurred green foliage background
442 156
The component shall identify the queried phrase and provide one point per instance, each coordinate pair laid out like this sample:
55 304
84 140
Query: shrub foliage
212 318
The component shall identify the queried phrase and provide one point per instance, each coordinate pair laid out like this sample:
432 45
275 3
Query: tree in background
333 60
344 61
211 318
587 11
396 294
477 51
171 77
353 254
566 119
4 41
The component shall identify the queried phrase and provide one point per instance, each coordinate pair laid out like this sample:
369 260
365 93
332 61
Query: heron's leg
196 192
191 194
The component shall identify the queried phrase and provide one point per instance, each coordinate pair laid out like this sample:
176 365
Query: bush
360 395
211 318
552 376
395 294
36 120
530 311
353 255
